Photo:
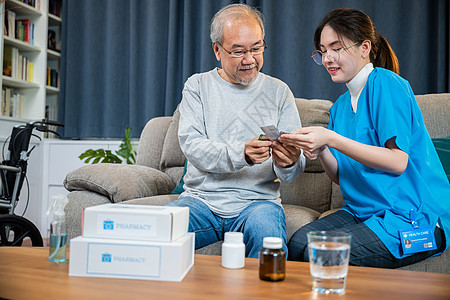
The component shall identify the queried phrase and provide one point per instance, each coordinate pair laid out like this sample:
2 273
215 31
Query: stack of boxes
133 241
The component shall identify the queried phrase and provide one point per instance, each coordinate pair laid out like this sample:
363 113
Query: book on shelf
11 104
7 60
10 23
52 77
51 113
48 76
16 65
4 104
30 71
21 29
10 61
17 105
34 3
20 67
25 31
54 7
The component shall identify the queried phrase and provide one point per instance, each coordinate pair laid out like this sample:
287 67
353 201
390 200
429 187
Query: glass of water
329 253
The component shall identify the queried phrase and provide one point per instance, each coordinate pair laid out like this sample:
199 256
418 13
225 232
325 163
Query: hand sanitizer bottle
58 230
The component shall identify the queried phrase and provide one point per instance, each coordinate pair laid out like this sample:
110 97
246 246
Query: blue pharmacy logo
108 225
106 257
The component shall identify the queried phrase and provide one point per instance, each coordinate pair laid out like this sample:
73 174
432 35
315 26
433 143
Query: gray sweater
216 119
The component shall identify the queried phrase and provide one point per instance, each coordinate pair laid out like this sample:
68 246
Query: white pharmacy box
111 258
135 222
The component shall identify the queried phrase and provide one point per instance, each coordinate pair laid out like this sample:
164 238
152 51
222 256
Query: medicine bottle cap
234 237
272 243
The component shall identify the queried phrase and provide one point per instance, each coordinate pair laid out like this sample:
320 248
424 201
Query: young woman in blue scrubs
377 149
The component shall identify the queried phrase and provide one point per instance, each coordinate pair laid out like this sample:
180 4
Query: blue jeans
258 220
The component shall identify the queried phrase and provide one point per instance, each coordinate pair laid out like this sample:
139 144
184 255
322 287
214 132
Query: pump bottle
58 230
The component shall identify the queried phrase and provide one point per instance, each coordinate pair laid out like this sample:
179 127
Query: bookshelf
35 95
53 59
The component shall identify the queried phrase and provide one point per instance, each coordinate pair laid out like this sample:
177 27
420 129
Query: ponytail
356 26
383 56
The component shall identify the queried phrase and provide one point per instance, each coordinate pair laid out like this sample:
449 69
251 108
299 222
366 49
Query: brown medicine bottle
272 260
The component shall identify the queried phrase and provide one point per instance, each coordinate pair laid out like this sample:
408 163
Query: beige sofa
160 163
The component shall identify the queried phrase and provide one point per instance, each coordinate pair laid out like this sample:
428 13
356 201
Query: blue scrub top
387 108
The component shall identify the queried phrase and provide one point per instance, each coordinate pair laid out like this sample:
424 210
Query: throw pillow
179 188
442 146
119 182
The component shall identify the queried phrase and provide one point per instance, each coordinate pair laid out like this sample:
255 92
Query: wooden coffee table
26 273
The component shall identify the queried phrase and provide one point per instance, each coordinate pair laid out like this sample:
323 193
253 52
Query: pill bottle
233 250
272 260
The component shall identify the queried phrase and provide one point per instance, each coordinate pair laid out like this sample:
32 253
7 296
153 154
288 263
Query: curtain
125 62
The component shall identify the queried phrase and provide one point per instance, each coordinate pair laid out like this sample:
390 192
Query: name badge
417 238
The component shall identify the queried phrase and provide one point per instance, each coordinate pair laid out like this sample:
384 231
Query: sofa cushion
151 142
442 146
211 249
313 112
337 200
312 190
119 182
435 110
435 264
298 216
153 200
329 212
172 156
79 200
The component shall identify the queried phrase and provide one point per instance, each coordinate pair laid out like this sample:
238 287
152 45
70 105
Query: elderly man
232 175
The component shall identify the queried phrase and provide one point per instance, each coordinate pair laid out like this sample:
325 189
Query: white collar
356 85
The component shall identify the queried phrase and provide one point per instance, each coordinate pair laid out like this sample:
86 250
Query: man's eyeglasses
256 50
332 54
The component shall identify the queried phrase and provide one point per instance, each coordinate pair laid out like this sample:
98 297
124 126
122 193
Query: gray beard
246 83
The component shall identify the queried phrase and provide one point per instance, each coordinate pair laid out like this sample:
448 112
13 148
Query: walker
13 228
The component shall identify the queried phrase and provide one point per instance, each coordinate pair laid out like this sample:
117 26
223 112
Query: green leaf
106 156
126 149
86 153
99 156
101 152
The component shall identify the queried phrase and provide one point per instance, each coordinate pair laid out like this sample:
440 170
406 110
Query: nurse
377 149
